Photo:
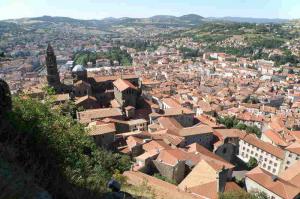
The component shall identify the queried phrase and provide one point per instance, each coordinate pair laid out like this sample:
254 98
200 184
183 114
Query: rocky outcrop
5 97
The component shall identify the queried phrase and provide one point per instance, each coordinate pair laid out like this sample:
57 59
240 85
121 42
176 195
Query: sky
98 9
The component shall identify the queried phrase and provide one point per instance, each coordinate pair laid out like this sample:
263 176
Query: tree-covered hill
56 151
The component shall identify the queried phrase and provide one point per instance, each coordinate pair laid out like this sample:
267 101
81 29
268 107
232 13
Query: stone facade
52 72
176 172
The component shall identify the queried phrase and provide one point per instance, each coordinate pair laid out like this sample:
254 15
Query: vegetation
56 149
141 191
141 45
189 52
252 163
243 195
157 175
115 54
232 122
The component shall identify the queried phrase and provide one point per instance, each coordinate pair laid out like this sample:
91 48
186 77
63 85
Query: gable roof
276 151
122 85
100 113
175 127
101 129
279 187
294 148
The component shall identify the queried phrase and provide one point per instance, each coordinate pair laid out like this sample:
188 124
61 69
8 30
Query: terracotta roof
113 78
231 133
87 97
208 155
280 187
122 85
276 151
155 144
101 129
207 190
133 141
94 114
173 156
61 97
232 186
196 130
292 174
275 138
296 134
294 148
175 128
172 103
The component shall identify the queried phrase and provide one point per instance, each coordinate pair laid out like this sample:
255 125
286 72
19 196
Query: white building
269 157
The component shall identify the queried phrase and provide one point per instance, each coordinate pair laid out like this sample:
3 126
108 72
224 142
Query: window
269 167
274 170
290 155
288 162
270 162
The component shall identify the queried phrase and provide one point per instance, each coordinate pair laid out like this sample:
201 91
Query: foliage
141 45
233 122
242 195
252 163
56 148
49 90
189 52
114 54
157 175
251 100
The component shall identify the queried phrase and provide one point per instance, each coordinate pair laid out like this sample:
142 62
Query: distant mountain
186 20
162 21
247 20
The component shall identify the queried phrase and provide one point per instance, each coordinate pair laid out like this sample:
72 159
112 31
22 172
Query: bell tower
52 72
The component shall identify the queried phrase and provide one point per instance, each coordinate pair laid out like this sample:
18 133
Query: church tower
52 72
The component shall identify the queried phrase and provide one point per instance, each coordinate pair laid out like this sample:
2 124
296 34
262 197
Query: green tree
58 151
243 195
252 163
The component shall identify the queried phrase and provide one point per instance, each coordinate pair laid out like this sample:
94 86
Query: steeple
52 72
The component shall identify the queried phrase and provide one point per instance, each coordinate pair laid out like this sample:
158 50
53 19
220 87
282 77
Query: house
125 93
183 115
291 155
61 98
284 186
269 157
90 115
227 143
87 102
103 134
123 126
201 134
207 179
82 88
